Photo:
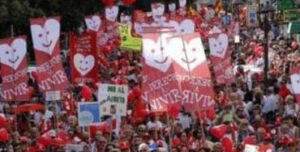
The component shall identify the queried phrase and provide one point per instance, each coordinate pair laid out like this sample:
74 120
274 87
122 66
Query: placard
52 96
113 99
251 148
74 148
88 113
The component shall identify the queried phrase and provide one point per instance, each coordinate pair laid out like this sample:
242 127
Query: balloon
4 135
294 45
30 91
108 2
106 49
127 2
86 92
218 131
34 75
3 123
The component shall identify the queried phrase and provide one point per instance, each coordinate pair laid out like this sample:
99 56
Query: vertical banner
88 113
45 34
83 62
220 56
175 72
113 99
14 69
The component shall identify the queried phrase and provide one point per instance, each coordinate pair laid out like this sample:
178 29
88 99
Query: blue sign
88 113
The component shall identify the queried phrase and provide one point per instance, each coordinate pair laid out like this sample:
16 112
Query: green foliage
16 13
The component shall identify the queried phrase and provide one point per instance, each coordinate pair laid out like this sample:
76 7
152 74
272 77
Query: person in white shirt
154 123
270 103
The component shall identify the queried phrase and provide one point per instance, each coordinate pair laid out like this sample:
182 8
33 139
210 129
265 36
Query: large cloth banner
175 72
83 57
113 99
220 56
45 34
13 69
88 113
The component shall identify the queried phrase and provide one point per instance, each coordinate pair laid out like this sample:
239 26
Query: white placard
74 148
113 99
251 148
53 96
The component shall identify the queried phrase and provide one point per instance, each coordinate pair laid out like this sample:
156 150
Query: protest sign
88 113
52 96
74 148
113 99
127 41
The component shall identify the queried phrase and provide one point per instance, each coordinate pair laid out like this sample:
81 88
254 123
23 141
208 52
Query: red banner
13 69
175 71
220 57
83 49
45 34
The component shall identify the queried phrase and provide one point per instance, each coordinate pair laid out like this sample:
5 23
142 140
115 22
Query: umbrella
28 107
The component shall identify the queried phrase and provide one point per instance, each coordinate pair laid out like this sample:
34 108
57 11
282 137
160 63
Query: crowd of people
247 112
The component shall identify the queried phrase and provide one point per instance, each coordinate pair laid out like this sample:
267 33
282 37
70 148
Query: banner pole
12 30
170 132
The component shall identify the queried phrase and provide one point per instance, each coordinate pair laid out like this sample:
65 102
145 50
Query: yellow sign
127 41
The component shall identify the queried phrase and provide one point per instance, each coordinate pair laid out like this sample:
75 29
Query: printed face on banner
84 64
12 54
158 9
295 78
111 13
93 23
189 54
187 26
218 46
125 18
172 7
156 54
182 3
46 36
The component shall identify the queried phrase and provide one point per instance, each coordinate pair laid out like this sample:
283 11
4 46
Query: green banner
285 4
127 41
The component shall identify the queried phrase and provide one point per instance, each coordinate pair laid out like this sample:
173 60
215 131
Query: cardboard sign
127 41
113 99
52 96
88 113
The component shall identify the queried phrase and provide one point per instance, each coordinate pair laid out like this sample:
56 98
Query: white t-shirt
154 125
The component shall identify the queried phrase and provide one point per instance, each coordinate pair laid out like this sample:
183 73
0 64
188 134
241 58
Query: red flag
83 57
45 34
13 69
175 72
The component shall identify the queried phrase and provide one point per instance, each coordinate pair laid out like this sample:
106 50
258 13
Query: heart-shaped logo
172 7
45 37
111 13
182 3
218 46
156 54
295 78
187 26
84 64
12 55
188 54
93 23
126 19
158 9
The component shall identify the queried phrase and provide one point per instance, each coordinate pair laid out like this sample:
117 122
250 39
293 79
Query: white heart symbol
13 55
187 26
295 78
182 3
188 54
84 64
156 53
218 47
45 37
158 9
111 13
93 23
